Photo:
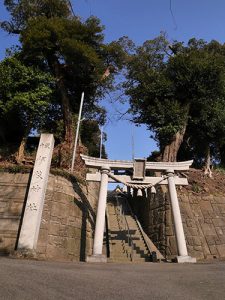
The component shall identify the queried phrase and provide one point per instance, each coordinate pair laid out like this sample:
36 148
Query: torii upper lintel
128 164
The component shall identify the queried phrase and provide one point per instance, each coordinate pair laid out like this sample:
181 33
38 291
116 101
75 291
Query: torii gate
139 167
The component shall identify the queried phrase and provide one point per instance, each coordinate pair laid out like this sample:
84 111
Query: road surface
29 279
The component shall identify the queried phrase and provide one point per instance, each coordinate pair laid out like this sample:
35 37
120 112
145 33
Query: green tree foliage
73 51
206 126
176 87
151 91
22 11
25 94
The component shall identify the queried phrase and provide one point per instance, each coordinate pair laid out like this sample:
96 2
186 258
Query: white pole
77 132
101 142
132 142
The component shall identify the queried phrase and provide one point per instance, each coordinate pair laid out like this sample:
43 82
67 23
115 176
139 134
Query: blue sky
142 20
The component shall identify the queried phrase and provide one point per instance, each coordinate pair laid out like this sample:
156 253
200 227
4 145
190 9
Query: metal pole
77 132
132 142
101 142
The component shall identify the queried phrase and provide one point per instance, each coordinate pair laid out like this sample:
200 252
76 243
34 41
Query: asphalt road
24 279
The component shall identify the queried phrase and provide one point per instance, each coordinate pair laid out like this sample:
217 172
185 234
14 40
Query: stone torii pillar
183 256
97 255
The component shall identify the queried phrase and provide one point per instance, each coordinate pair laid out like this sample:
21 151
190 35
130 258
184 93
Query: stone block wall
203 217
68 218
13 189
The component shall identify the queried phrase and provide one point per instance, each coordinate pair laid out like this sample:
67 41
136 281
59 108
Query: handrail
125 224
143 234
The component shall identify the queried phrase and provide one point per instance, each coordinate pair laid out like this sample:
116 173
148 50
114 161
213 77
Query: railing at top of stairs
126 228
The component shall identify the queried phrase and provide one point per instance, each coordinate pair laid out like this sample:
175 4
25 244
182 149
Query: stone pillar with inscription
35 201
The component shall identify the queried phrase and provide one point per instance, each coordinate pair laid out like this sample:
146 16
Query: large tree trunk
207 166
222 156
20 155
170 151
67 113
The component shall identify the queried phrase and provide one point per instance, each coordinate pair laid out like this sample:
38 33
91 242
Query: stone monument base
185 259
25 253
95 258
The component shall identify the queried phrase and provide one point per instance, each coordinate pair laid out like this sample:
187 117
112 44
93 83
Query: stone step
116 260
118 249
120 259
114 222
127 259
138 254
135 257
137 248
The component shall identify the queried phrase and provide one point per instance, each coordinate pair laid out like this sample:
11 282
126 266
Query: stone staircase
126 240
